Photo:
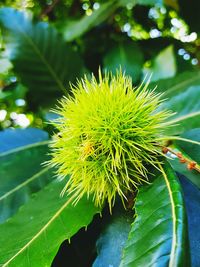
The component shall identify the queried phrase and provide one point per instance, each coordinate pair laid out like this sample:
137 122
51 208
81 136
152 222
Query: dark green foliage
44 45
126 55
21 180
111 242
160 227
43 221
41 58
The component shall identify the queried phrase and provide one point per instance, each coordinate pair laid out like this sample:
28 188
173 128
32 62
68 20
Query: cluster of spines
109 134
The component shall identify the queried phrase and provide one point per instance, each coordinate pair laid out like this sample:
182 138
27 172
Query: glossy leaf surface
114 235
20 168
186 106
159 234
34 234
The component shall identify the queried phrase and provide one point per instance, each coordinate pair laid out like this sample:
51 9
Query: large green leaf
190 151
20 168
128 56
113 237
32 237
41 58
186 106
158 235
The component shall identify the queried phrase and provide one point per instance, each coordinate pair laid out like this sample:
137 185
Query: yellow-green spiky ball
109 132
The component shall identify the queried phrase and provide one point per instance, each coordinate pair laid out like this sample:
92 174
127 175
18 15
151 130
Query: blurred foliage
144 37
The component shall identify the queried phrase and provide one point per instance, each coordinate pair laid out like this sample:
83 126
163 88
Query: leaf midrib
181 84
184 117
29 180
21 148
39 233
174 234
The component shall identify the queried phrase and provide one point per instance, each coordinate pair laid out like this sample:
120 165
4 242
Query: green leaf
140 2
149 2
158 235
76 28
192 202
113 237
5 65
190 151
164 65
41 58
127 55
20 168
79 27
13 138
186 106
34 234
173 86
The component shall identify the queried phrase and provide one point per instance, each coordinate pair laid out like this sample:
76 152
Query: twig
191 165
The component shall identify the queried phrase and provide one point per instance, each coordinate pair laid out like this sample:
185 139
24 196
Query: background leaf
20 168
173 86
186 105
74 29
149 2
44 63
113 237
192 150
128 56
140 2
13 138
77 28
159 234
164 65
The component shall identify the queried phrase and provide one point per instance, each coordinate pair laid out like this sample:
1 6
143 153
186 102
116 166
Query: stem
191 165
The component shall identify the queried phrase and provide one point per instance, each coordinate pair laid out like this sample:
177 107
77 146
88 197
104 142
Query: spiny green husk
109 133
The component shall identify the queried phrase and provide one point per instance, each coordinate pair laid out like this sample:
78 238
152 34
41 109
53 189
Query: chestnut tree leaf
22 151
158 236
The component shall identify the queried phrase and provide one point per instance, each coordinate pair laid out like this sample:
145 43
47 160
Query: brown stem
191 165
